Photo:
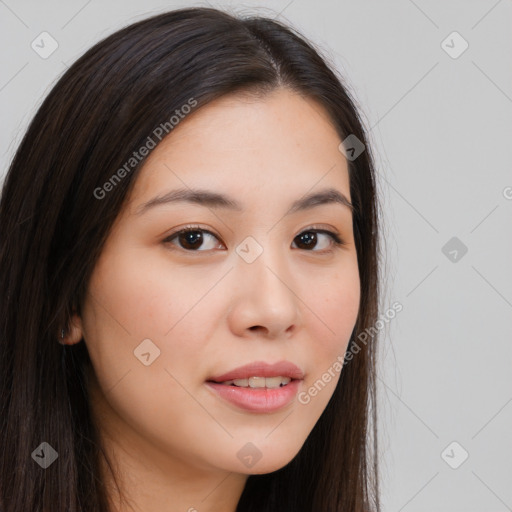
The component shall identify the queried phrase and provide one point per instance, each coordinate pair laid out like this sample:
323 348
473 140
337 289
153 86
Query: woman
189 242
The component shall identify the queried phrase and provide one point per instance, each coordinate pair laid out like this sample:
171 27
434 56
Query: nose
264 302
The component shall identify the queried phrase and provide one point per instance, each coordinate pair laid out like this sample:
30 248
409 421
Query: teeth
259 382
266 382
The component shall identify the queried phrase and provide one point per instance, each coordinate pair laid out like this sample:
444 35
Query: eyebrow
216 200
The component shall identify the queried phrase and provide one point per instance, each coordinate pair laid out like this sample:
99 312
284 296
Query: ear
73 333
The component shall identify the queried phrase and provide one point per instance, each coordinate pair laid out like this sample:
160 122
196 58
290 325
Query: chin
270 464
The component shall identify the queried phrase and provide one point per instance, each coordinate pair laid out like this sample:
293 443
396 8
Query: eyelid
190 227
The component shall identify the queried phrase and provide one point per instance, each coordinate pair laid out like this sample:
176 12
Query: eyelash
336 240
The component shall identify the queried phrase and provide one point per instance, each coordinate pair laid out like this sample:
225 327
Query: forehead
278 144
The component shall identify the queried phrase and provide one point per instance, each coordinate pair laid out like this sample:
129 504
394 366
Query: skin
172 442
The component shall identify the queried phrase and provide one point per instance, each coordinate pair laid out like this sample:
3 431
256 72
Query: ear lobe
73 334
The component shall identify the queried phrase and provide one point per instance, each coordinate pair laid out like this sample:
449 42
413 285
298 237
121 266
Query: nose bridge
263 295
264 279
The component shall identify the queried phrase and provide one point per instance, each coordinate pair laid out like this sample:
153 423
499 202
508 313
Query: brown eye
309 239
191 239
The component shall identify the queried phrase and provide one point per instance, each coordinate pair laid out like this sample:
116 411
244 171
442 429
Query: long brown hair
53 226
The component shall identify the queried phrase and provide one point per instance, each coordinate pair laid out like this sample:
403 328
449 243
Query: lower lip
257 399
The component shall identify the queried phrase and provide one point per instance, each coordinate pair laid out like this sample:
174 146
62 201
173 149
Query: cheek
334 307
335 304
144 295
340 304
136 297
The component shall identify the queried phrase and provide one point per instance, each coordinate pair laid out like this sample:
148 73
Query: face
168 311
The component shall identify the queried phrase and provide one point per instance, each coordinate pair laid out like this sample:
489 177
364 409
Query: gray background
441 128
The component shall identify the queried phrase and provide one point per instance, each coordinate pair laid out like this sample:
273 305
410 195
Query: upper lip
261 369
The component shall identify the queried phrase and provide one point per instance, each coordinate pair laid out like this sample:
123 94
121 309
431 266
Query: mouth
259 373
257 382
259 387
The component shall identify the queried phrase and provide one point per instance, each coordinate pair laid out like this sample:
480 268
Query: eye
310 238
192 237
